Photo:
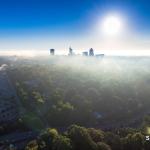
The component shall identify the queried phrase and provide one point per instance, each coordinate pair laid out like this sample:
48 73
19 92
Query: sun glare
111 25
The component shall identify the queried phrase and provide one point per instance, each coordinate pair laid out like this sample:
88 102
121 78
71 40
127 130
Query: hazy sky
44 24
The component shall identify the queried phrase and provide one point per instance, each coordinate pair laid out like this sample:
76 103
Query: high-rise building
52 51
100 55
91 52
70 51
85 53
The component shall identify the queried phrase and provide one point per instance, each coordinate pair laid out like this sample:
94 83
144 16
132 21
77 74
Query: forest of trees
80 138
85 92
110 94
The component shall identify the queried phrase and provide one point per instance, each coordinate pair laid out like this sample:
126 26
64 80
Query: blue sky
42 24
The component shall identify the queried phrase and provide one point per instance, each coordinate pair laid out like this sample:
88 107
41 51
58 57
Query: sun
111 25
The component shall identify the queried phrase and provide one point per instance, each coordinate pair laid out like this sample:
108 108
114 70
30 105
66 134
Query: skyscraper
85 53
91 52
52 51
70 51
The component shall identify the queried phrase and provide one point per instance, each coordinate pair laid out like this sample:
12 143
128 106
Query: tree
32 145
96 135
135 141
113 140
60 111
127 142
103 146
80 138
48 137
37 96
138 141
61 143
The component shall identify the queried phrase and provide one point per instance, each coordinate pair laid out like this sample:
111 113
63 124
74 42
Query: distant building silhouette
52 51
100 55
70 51
91 52
85 53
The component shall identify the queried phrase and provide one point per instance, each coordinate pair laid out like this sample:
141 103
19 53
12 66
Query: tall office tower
70 51
52 51
85 53
91 52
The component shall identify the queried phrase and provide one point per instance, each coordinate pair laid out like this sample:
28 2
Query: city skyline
40 25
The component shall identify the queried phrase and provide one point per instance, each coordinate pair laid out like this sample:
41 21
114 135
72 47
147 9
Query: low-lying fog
32 53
